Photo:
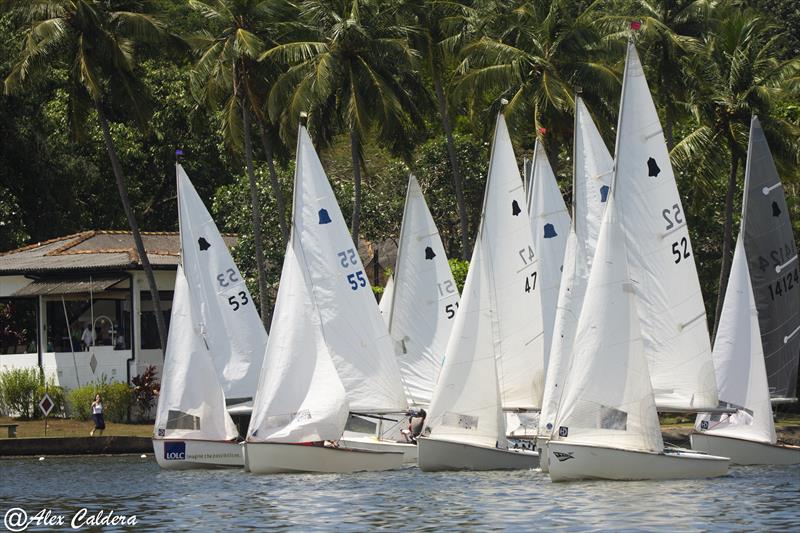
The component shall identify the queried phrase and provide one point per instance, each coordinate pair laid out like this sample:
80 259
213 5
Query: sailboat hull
544 458
279 458
176 454
371 443
438 454
745 452
570 462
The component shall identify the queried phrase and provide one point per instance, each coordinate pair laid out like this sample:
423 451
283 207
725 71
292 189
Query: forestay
550 223
661 262
300 396
228 318
739 363
355 333
774 271
592 175
191 403
608 399
424 299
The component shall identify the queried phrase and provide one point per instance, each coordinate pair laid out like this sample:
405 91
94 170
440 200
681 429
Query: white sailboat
192 429
607 422
421 308
593 169
748 435
550 225
330 351
385 305
660 258
494 356
228 318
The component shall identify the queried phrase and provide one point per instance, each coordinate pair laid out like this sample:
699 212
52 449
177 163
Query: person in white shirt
87 338
97 415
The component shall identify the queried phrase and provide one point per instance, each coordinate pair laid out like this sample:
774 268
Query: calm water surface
749 498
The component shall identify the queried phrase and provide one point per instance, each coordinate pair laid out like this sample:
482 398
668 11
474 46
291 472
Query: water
749 498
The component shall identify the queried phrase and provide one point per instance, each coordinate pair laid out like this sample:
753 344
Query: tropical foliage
389 87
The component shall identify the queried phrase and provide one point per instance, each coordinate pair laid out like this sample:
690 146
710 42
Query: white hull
438 454
279 458
177 454
371 443
544 458
578 461
745 452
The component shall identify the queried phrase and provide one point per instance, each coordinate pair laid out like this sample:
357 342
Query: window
148 318
108 317
18 325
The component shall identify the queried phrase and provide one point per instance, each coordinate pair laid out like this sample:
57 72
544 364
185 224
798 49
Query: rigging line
69 336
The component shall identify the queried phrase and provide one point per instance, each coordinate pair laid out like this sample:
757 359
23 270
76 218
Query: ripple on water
749 498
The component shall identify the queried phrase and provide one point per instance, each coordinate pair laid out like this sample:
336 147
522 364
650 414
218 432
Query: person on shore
87 337
97 414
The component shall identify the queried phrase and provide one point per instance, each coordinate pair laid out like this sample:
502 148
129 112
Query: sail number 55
348 258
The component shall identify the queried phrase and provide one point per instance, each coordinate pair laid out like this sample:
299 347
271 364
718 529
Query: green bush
117 400
18 389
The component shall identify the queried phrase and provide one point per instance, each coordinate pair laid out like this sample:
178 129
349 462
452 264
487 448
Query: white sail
300 396
593 171
608 399
550 223
228 316
661 262
385 305
739 362
355 333
494 355
191 403
425 299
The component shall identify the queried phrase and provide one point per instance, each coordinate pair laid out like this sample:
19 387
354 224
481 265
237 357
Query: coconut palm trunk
256 216
273 180
137 237
355 226
727 235
451 152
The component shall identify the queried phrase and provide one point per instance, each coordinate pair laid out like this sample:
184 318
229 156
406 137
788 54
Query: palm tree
442 26
228 76
670 29
96 46
737 74
533 54
354 74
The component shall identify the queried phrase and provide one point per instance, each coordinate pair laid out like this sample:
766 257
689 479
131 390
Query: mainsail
774 271
550 223
424 299
494 356
355 333
660 258
228 318
592 174
739 363
191 403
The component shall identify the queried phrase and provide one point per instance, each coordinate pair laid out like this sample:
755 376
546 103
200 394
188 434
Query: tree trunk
274 183
669 121
356 221
451 152
726 240
256 216
122 188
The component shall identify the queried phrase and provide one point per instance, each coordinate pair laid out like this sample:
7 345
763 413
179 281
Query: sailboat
329 353
228 318
192 429
421 310
607 422
748 435
218 308
593 169
493 359
660 258
385 305
550 224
